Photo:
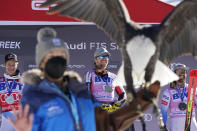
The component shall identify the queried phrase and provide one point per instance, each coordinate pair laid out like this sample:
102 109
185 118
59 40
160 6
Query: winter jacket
55 111
10 94
98 84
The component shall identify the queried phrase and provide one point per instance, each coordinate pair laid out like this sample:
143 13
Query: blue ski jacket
55 111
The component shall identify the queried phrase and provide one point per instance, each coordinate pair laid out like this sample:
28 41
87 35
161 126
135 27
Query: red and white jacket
10 92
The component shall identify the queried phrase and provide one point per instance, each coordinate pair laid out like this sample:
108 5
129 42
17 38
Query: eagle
146 49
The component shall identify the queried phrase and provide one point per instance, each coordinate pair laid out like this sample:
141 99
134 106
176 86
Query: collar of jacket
35 77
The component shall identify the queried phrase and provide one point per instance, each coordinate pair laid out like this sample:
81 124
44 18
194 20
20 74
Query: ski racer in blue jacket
58 100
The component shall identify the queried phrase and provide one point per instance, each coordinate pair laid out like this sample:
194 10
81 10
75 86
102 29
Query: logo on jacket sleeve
164 102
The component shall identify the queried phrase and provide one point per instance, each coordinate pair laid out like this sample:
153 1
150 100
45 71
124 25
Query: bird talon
145 85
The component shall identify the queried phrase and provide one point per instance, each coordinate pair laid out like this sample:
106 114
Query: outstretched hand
23 120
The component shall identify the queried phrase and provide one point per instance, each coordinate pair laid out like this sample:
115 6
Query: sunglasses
181 71
104 56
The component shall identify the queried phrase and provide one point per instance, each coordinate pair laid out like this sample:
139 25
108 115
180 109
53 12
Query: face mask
55 67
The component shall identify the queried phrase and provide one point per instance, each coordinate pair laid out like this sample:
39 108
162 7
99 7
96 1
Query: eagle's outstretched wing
106 14
178 32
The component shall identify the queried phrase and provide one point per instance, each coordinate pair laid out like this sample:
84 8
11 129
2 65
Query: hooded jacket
55 111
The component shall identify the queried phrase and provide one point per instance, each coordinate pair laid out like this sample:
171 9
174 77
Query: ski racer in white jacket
174 100
10 91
